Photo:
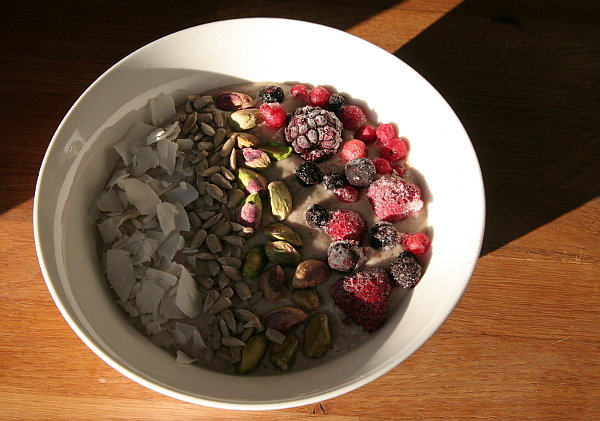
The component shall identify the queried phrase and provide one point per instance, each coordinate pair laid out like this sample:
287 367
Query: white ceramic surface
80 157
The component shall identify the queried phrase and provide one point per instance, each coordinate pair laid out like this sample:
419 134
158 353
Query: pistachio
246 140
254 262
276 151
317 338
256 159
245 119
273 283
282 355
250 181
252 353
307 299
280 199
250 211
284 318
279 231
232 101
282 253
310 273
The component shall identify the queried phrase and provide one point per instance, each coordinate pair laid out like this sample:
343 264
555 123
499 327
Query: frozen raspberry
273 114
315 133
382 166
318 97
334 181
346 256
364 297
353 149
385 133
309 174
347 194
317 216
336 101
352 117
346 225
406 270
398 170
394 199
299 92
366 133
384 236
360 172
271 94
394 150
417 243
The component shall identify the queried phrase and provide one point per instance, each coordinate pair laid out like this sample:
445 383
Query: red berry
382 166
346 225
417 243
394 150
398 170
347 194
385 132
352 117
318 97
394 199
273 114
366 133
299 92
364 297
353 149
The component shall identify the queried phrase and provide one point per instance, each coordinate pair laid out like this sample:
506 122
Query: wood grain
524 78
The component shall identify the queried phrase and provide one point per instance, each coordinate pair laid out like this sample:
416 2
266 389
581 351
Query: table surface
523 77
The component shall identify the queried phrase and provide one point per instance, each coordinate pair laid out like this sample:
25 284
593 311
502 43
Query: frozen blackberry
360 172
336 101
317 216
271 94
346 256
334 181
384 236
309 174
406 270
314 133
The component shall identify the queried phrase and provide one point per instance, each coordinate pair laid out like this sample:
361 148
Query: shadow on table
523 78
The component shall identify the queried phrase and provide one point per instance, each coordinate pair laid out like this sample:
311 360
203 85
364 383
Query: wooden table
523 76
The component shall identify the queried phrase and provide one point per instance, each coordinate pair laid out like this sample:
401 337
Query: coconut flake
140 195
198 341
169 247
188 296
119 268
167 155
144 159
182 221
148 298
185 194
166 216
184 359
162 109
135 136
109 229
109 202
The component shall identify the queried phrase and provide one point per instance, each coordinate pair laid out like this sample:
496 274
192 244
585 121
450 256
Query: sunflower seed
206 146
255 298
227 174
246 232
235 240
218 119
230 261
222 304
274 335
205 118
190 121
198 238
235 197
220 135
209 130
227 292
220 181
236 353
223 280
228 147
227 316
205 281
247 333
202 101
211 221
207 256
231 342
235 226
216 337
233 272
222 230
213 243
213 268
210 171
243 290
224 329
225 355
194 219
202 186
211 298
205 215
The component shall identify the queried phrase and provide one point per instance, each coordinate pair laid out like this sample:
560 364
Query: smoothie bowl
168 295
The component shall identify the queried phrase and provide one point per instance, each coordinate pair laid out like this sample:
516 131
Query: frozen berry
346 225
352 117
364 296
360 172
347 194
346 256
318 97
366 133
384 236
398 170
353 149
334 181
273 114
382 166
385 133
417 243
317 216
299 92
309 174
315 133
271 94
336 101
394 150
406 270
394 199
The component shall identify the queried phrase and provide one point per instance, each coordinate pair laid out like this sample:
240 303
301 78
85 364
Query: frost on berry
394 199
309 174
394 150
384 236
346 256
347 194
366 133
406 270
334 181
353 149
385 132
417 243
360 172
382 166
352 117
317 216
346 225
299 92
273 114
318 97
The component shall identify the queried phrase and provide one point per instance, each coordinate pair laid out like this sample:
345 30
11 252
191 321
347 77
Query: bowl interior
80 158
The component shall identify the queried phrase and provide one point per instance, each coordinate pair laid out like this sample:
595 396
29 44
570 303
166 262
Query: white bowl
80 158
